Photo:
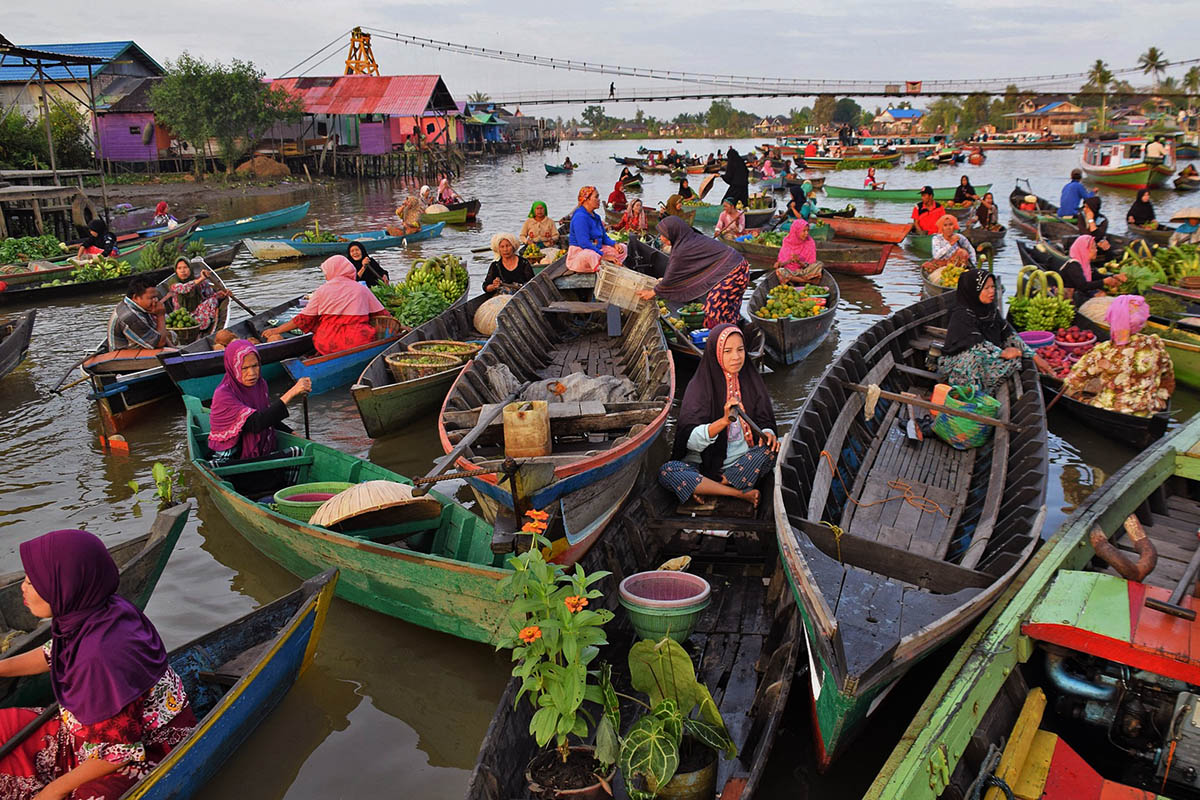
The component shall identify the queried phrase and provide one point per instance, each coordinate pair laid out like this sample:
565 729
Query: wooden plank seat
233 670
265 465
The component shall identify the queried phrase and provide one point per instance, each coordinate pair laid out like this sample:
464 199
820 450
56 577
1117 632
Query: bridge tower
360 60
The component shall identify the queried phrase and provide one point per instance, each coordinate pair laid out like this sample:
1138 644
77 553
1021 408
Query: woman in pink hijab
1132 372
1077 274
797 260
339 313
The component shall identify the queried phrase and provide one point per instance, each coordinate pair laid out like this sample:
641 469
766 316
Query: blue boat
555 169
234 677
278 218
280 248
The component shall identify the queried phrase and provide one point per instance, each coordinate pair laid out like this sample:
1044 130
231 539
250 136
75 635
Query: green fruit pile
1041 313
101 268
787 302
430 287
771 238
181 318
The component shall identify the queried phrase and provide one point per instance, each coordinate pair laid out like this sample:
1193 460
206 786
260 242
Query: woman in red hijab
616 198
339 313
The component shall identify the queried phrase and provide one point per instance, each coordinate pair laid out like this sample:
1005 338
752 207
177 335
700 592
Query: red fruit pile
1059 360
1081 339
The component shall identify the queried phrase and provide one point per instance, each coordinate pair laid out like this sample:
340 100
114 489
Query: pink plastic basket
1036 339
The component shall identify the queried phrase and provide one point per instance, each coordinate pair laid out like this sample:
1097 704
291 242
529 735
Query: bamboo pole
954 412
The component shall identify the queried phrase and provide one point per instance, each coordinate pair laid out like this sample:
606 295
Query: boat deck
592 353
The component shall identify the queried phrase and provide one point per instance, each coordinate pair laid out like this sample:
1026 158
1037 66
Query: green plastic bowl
664 603
301 501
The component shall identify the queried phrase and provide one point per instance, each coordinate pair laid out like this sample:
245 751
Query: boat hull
338 369
1136 432
278 249
15 344
898 195
791 341
452 217
471 206
1134 176
253 224
868 231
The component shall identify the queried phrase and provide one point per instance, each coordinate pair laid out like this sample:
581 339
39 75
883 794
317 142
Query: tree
823 110
479 97
943 113
594 118
1101 76
975 112
846 112
1153 62
1191 82
198 101
23 139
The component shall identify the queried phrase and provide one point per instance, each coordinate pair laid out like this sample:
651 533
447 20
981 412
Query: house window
429 128
134 130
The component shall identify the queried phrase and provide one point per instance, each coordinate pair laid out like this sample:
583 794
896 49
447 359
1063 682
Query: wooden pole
954 412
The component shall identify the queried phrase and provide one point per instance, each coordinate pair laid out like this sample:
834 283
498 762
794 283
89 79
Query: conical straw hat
374 504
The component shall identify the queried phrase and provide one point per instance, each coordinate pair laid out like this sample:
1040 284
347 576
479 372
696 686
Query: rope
922 504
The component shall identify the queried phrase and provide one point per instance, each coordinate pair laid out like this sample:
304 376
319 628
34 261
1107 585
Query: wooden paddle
485 419
707 184
20 736
232 296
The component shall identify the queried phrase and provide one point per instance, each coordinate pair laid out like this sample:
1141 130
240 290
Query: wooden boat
653 217
234 678
386 405
892 581
941 193
140 562
789 341
277 249
1122 163
1044 222
597 448
1067 626
747 645
632 183
817 182
1183 346
14 340
1159 236
710 213
555 169
197 368
867 229
833 162
922 244
279 218
221 257
1129 429
849 258
128 384
1186 184
456 216
1038 144
471 206
438 573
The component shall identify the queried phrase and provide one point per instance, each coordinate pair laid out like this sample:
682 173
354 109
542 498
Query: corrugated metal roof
904 113
107 51
396 95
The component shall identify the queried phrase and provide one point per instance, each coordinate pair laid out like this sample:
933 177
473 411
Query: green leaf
663 669
672 720
543 725
133 484
608 747
715 736
649 758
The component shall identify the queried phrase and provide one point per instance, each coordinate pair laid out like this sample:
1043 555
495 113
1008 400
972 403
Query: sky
831 39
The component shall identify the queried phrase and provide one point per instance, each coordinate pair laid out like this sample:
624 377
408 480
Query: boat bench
235 668
263 466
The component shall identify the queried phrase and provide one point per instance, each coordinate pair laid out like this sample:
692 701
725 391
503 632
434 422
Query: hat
1184 214
1031 198
926 190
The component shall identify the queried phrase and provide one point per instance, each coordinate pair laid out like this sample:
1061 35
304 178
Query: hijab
161 208
341 294
500 237
1081 251
797 246
1142 211
233 403
706 394
106 654
1126 316
736 173
697 263
533 209
640 218
972 321
798 197
685 191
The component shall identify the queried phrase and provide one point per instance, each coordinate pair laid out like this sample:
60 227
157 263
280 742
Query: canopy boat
471 206
140 562
653 216
234 677
1122 163
128 383
14 340
832 162
941 193
1072 632
1045 221
386 405
883 584
279 218
276 249
439 573
747 645
544 341
850 258
197 368
557 169
867 229
789 341
456 216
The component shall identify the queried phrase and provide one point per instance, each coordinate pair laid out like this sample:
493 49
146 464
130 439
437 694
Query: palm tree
1153 61
1101 76
1191 82
479 97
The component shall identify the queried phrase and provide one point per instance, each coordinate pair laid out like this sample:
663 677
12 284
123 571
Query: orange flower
531 634
540 516
533 527
576 603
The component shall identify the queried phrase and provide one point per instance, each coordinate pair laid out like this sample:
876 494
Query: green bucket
301 501
664 603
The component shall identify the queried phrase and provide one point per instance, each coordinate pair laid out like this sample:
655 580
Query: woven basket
446 347
187 335
409 366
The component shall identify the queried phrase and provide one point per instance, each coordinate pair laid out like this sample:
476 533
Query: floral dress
137 738
1135 378
982 364
198 298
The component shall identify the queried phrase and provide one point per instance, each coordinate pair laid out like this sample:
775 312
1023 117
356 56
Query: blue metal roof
1049 107
904 113
19 73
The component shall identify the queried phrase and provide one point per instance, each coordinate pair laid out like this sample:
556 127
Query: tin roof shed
393 95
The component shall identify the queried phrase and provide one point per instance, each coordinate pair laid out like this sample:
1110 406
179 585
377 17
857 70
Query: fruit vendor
950 245
981 349
1090 221
122 707
1073 194
538 228
987 214
339 314
964 192
509 269
194 292
139 320
617 200
685 190
589 243
366 269
100 241
714 456
1077 274
701 267
446 194
1141 213
797 260
634 219
926 213
732 222
1132 372
803 203
409 213
1188 230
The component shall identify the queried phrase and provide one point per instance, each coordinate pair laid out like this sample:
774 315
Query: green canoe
440 573
899 195
457 216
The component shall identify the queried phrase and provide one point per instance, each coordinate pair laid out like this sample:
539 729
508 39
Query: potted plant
671 750
554 639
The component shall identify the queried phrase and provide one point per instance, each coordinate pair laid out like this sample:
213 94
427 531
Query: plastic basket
301 501
619 286
1077 347
1037 339
664 603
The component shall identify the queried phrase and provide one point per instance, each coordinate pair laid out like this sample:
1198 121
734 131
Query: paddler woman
194 292
508 268
123 708
1077 274
338 314
1131 373
701 267
797 260
366 269
685 191
588 242
538 228
950 245
803 203
987 214
714 457
981 349
634 219
732 222
410 212
616 198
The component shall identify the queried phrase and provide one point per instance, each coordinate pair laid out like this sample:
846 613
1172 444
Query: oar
232 296
67 374
954 412
20 736
485 419
304 405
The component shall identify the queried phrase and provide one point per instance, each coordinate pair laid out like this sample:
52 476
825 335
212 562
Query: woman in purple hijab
701 267
122 706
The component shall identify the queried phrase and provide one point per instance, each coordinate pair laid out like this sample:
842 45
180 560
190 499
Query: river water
389 706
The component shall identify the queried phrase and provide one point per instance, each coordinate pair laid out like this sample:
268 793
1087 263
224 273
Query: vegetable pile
314 235
924 165
181 318
787 302
428 290
1143 268
770 238
30 248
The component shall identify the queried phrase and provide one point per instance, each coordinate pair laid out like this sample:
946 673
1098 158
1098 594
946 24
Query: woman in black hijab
685 191
100 241
1092 222
714 456
965 192
366 269
1141 213
737 177
981 349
